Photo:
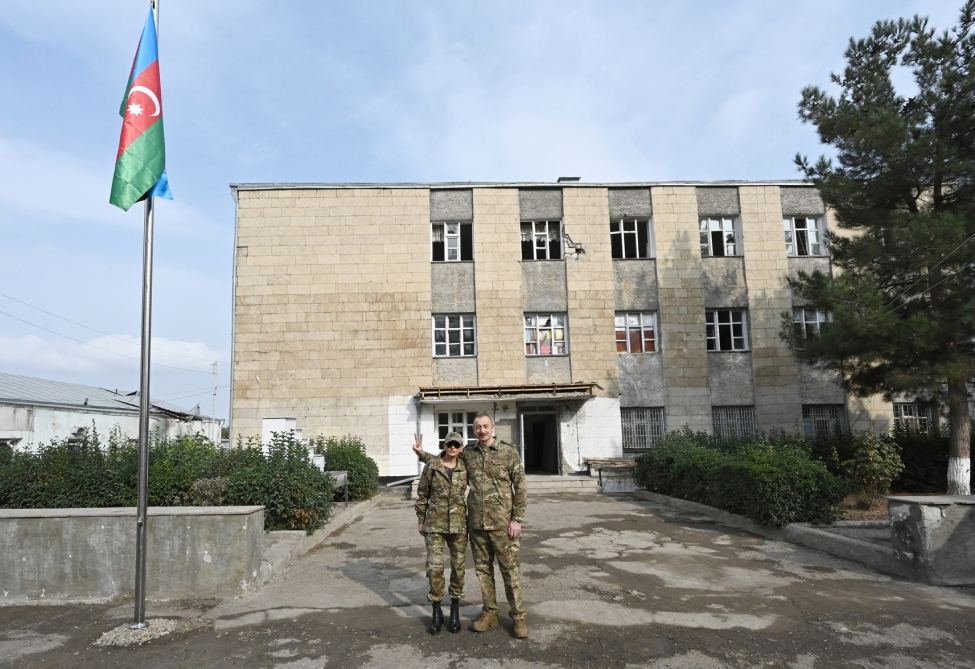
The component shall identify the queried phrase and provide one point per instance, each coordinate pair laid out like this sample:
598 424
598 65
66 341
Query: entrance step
550 484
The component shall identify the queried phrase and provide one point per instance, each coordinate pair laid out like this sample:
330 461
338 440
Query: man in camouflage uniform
495 512
441 512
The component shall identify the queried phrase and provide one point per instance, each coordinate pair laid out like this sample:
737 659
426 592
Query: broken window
643 427
809 322
636 331
718 237
453 335
913 417
732 422
803 235
452 242
630 238
461 422
546 334
541 240
727 330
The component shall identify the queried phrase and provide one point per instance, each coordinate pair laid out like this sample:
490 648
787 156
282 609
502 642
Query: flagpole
144 406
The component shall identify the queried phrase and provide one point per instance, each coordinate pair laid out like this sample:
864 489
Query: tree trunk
959 450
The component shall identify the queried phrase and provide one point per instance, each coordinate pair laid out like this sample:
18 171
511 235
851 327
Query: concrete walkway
610 582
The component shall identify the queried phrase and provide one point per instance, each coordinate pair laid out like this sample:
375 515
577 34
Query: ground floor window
822 421
913 417
643 427
455 421
733 422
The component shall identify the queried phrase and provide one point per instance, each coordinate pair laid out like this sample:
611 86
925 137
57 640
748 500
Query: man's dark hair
483 415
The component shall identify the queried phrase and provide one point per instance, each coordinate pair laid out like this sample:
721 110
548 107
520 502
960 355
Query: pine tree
902 186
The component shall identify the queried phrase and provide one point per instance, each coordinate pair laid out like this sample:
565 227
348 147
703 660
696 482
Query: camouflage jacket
499 490
440 503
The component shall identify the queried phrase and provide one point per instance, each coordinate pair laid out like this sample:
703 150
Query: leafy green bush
925 458
348 453
875 463
208 492
295 494
772 485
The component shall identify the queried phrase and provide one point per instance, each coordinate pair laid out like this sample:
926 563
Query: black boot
437 622
454 624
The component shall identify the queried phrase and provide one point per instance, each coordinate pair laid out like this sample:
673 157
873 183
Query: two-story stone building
588 319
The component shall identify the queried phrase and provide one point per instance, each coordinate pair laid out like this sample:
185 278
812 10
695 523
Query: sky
368 91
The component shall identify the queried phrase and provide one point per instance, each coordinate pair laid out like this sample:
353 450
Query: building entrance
540 440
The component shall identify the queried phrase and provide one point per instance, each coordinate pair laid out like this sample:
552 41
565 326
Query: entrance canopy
535 392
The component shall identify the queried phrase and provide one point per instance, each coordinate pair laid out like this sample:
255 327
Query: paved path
610 582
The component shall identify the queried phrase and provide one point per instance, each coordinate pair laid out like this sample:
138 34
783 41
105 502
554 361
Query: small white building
35 411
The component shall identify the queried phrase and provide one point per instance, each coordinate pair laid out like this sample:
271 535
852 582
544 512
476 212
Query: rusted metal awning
537 392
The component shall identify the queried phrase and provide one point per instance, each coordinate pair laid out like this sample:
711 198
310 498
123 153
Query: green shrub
925 458
772 485
875 463
295 494
208 492
174 465
348 453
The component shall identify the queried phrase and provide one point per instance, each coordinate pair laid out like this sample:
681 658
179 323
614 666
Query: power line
98 348
88 327
936 266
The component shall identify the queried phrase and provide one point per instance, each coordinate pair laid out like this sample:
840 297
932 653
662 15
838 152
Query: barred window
726 330
913 417
733 421
643 427
809 322
803 235
546 334
541 240
456 421
451 242
636 331
453 335
630 238
718 237
822 421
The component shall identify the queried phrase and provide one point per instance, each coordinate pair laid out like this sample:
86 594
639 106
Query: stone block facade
335 292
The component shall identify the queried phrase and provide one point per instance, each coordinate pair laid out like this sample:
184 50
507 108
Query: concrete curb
868 554
282 548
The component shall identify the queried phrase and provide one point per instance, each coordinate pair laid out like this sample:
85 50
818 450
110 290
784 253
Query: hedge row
774 485
186 471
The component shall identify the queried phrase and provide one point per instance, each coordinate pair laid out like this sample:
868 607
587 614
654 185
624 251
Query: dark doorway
540 440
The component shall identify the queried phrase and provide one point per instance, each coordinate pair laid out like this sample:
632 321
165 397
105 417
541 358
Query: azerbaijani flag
140 166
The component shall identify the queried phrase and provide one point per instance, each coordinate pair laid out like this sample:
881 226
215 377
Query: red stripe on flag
141 107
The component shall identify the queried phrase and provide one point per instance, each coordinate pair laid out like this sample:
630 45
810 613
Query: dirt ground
610 582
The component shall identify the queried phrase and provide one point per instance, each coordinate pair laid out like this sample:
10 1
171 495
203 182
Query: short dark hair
481 414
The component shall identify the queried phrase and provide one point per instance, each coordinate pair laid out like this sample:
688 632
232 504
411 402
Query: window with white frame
636 331
718 237
803 235
631 238
451 242
727 330
733 421
546 334
461 422
541 240
643 427
822 421
809 322
453 335
913 417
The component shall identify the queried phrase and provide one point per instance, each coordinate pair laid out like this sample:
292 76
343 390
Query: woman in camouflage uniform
441 510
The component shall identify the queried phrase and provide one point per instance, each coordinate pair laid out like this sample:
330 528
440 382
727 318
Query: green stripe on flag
139 168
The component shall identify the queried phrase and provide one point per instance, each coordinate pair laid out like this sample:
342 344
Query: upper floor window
546 334
630 238
803 235
452 242
541 240
453 335
727 330
719 237
636 331
913 417
809 322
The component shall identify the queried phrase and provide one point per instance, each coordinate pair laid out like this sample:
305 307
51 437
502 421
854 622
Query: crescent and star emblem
147 92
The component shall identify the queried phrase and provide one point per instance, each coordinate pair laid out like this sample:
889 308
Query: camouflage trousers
457 546
488 546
